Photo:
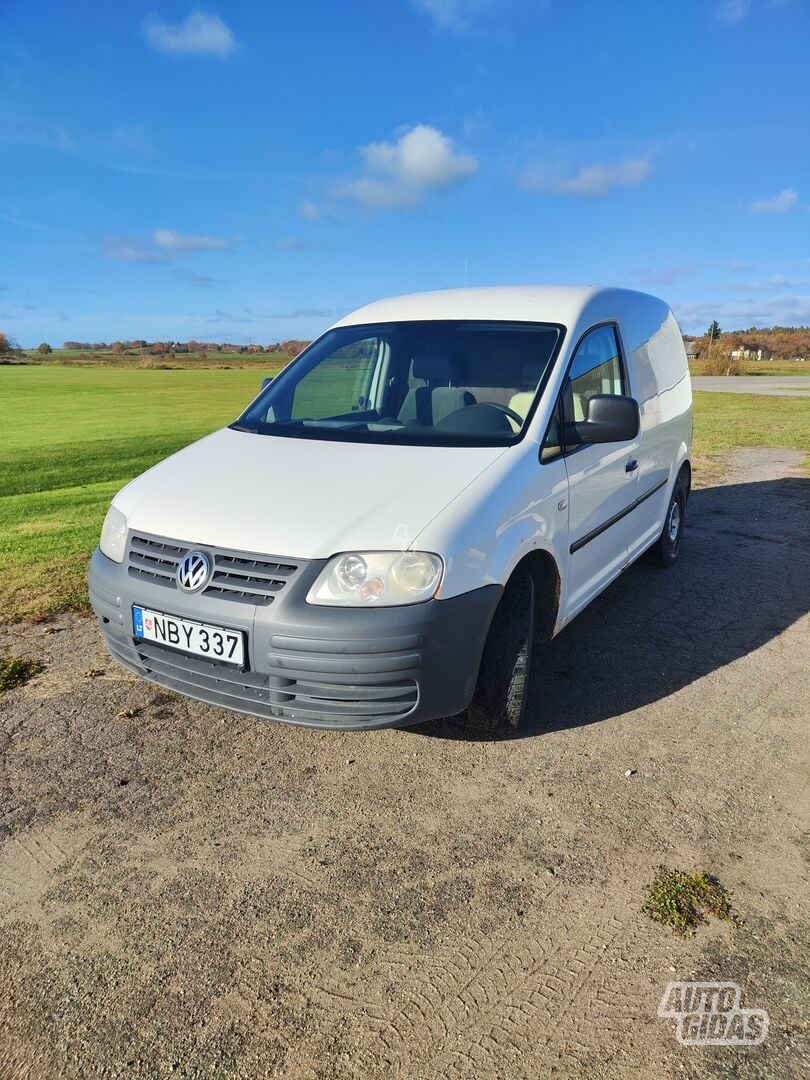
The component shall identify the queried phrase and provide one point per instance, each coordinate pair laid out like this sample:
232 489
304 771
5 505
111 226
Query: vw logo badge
194 571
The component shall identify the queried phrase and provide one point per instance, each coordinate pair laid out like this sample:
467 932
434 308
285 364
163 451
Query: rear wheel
507 676
666 549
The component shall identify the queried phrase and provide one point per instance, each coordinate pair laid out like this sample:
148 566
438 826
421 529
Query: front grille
246 578
314 701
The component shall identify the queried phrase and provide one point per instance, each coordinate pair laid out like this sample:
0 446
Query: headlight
377 579
114 535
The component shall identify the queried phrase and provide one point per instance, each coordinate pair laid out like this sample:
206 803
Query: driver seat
431 403
523 400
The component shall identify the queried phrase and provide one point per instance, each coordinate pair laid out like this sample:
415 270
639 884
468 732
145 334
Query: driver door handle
631 465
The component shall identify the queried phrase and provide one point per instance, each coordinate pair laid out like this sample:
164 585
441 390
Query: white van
397 523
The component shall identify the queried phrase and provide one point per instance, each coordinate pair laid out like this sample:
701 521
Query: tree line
779 342
142 347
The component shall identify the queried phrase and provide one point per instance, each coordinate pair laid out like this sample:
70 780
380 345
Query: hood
301 498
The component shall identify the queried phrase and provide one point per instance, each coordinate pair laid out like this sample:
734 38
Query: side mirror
610 418
266 382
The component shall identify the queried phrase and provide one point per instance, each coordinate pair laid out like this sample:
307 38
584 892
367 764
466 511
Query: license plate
198 639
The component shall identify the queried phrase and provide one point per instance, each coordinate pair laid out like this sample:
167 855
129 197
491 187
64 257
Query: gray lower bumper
343 668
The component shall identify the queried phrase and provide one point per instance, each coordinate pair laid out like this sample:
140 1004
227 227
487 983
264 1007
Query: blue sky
252 170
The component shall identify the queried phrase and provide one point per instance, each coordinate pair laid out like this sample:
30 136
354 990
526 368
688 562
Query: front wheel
506 678
667 547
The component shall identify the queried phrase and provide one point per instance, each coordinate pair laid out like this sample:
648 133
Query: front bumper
341 668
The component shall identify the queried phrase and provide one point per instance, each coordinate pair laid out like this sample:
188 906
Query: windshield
418 383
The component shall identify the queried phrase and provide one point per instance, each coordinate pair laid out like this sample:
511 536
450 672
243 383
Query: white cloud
779 204
132 139
444 13
768 311
592 181
171 241
191 277
51 137
665 275
399 175
732 11
220 317
421 157
308 313
297 243
379 195
164 245
199 34
456 15
309 211
129 249
11 216
775 281
60 139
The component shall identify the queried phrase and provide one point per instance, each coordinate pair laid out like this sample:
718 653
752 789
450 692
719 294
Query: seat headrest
530 372
433 366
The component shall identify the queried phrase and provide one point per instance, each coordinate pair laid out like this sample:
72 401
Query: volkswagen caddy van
402 517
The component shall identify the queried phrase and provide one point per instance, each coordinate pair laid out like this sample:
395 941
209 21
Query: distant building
692 350
751 352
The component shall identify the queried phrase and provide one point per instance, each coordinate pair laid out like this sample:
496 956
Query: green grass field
726 421
71 437
757 367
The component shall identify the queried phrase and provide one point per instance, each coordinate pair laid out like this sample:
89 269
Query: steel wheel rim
674 522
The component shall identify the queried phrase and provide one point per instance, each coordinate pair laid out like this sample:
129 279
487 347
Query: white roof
566 304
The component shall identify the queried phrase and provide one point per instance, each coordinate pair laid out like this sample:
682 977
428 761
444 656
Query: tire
667 547
507 675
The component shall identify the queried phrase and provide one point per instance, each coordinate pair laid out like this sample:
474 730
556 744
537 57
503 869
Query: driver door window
597 369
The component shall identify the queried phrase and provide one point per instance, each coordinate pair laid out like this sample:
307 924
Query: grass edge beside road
727 422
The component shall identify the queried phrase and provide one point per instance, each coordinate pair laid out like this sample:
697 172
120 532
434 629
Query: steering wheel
505 409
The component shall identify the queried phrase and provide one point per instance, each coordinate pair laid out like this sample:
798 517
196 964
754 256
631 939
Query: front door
602 477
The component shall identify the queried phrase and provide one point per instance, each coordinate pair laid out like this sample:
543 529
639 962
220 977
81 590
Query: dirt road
189 893
781 386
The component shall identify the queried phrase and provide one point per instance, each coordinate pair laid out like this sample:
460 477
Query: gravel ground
185 892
